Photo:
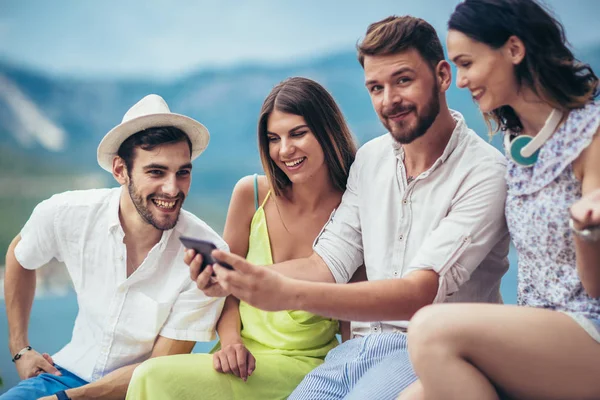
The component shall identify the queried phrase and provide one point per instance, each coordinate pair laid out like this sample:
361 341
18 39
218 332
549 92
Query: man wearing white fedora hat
122 250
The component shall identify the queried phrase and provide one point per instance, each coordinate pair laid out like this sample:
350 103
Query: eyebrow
165 168
455 59
400 71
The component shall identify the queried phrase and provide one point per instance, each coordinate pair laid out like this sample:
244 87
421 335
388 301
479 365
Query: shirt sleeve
38 244
473 227
193 316
340 242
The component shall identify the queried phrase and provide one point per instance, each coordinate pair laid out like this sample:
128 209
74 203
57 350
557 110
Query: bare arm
588 253
345 329
393 299
114 385
233 356
19 289
311 269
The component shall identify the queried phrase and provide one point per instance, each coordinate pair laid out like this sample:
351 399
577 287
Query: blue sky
162 38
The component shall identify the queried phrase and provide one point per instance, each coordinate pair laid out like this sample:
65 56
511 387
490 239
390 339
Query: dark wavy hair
549 68
305 97
148 139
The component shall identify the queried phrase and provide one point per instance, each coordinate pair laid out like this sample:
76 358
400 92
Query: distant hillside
51 126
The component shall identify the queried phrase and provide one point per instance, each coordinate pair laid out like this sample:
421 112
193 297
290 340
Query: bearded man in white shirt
121 248
423 210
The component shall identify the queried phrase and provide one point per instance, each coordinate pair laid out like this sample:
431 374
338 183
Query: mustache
399 109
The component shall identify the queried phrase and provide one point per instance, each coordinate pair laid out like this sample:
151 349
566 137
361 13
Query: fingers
232 360
48 358
217 361
221 362
195 263
45 366
203 281
251 363
242 362
188 256
237 262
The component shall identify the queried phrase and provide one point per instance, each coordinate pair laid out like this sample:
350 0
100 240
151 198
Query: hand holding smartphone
204 248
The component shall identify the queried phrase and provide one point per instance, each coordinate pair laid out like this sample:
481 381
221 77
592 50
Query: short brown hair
395 34
305 97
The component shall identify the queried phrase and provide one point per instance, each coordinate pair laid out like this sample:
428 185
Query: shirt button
121 258
404 201
395 273
400 237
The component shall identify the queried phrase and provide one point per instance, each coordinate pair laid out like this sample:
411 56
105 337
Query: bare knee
151 369
433 331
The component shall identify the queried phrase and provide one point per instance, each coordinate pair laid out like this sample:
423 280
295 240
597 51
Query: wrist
230 339
293 293
20 353
16 345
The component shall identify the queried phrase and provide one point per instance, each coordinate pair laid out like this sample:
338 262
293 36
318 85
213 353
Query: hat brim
110 144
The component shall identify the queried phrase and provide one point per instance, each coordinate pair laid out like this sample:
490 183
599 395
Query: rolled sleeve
193 316
472 227
38 244
340 242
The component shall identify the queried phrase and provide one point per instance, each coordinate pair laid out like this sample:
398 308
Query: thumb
237 262
45 366
48 358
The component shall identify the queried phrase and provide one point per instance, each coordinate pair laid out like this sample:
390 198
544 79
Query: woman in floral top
511 55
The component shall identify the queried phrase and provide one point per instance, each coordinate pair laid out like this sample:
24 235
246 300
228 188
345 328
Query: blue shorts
375 366
43 385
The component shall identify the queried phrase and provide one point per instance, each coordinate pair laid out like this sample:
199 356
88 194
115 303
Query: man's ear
443 74
119 170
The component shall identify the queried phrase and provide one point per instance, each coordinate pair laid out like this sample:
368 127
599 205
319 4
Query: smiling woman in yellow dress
306 150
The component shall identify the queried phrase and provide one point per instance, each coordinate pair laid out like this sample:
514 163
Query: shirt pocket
143 317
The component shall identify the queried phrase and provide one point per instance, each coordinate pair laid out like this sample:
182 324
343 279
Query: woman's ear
515 49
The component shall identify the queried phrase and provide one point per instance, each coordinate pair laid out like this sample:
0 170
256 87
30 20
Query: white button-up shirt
119 317
449 219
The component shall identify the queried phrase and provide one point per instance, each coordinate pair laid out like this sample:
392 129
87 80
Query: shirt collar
457 133
113 210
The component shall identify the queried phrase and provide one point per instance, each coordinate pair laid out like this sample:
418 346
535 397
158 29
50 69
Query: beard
402 131
141 205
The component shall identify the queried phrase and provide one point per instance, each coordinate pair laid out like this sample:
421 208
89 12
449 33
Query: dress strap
256 194
256 191
266 198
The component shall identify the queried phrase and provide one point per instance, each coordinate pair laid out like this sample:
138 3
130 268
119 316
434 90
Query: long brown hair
549 68
308 99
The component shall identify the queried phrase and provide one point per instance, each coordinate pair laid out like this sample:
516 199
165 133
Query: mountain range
50 126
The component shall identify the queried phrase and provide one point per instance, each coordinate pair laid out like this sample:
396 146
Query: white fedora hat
150 112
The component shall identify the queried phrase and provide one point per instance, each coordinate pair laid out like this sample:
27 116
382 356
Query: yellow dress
286 345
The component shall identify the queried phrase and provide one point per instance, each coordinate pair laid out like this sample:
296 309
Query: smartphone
205 248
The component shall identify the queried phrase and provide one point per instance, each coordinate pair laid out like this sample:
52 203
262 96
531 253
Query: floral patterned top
538 218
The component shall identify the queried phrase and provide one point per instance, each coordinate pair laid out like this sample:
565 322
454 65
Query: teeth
164 204
295 162
476 93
